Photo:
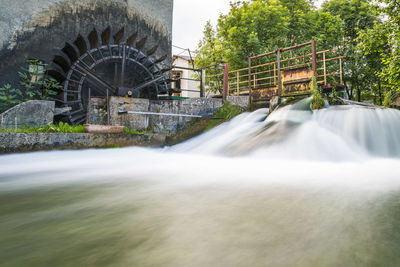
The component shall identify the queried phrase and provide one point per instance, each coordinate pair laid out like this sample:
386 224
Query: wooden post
314 58
274 73
202 83
278 59
250 81
108 108
88 106
324 60
237 83
341 74
123 66
226 81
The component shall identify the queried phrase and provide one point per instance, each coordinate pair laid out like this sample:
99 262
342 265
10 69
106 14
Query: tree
258 26
373 43
381 43
210 53
355 16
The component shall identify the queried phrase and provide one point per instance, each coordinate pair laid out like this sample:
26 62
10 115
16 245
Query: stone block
241 101
34 113
191 106
97 111
132 121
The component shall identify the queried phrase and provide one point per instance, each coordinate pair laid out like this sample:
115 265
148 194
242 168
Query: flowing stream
295 188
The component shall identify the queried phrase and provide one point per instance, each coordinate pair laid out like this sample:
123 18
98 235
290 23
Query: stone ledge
28 142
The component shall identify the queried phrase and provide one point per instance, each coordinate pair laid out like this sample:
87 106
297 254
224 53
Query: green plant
48 85
9 97
390 96
317 101
49 128
133 131
34 82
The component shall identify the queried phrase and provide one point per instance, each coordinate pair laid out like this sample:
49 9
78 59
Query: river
296 188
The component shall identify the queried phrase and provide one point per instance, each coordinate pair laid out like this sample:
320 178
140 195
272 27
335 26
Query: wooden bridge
285 72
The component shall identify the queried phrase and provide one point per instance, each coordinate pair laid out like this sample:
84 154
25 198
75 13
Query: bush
9 97
317 101
35 85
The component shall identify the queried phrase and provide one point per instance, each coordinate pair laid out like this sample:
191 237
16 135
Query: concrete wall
27 142
39 28
160 124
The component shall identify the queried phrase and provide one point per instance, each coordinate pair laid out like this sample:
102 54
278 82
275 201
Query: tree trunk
380 92
349 94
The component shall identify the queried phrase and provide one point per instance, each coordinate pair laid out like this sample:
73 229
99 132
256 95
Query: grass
133 131
224 114
49 128
58 128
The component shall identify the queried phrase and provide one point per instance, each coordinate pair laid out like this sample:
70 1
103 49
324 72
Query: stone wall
39 28
192 106
27 142
159 124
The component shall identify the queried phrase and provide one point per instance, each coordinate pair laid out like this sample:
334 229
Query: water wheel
107 64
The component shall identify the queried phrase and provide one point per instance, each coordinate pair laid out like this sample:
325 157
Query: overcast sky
190 17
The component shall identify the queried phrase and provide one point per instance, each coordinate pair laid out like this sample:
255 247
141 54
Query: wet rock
273 103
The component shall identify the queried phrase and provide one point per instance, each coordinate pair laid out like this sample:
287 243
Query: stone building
97 44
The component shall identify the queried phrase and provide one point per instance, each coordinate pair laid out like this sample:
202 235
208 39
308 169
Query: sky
190 17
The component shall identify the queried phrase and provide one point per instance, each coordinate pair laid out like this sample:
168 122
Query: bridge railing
277 72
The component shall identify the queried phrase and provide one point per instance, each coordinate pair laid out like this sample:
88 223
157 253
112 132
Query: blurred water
298 188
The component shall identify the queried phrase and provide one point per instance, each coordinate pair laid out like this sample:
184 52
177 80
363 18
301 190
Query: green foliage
48 86
390 97
133 131
382 42
317 101
9 97
210 52
36 85
355 16
50 128
258 26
